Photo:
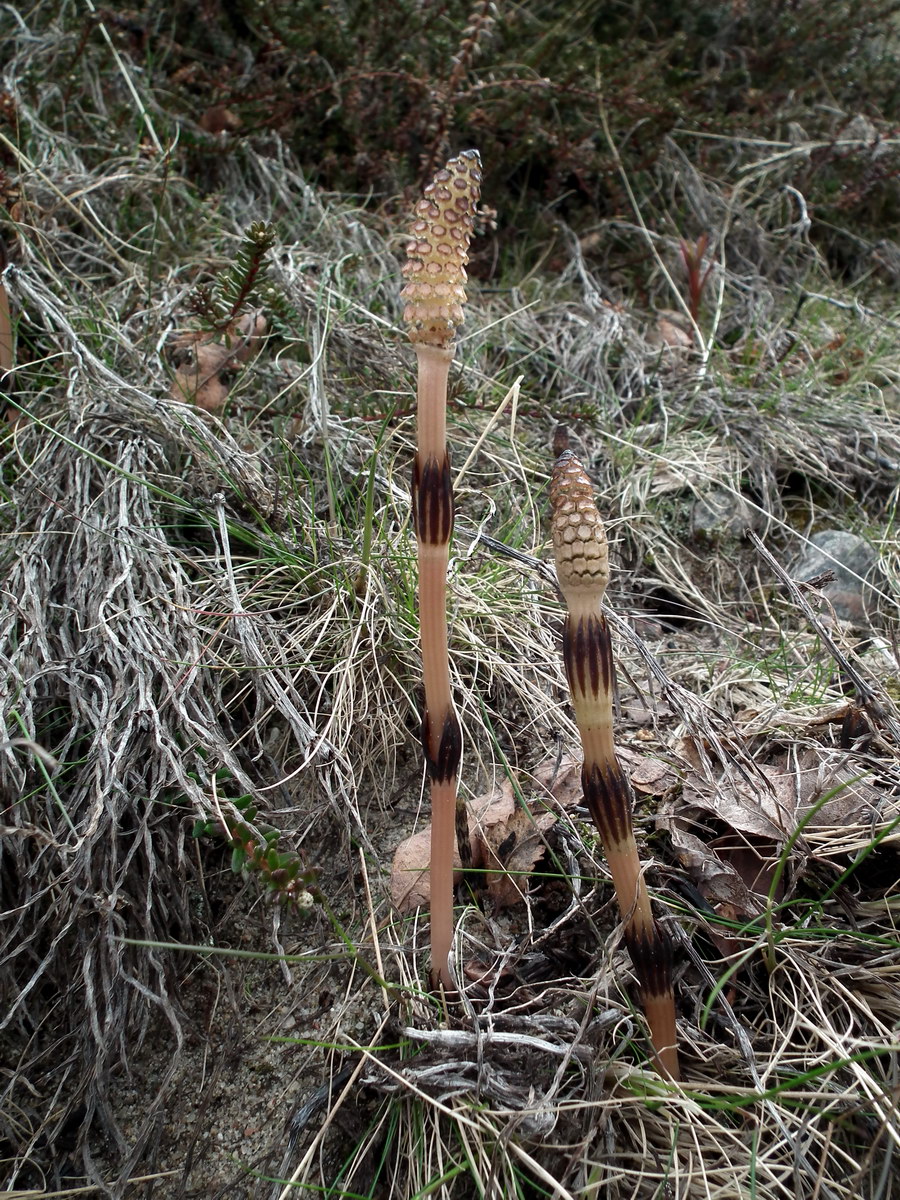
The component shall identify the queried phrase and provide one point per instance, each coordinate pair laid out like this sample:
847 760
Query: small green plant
232 325
243 285
282 873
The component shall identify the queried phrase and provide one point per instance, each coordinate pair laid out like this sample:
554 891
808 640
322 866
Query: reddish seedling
692 255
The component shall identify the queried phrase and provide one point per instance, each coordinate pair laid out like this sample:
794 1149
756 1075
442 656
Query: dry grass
198 609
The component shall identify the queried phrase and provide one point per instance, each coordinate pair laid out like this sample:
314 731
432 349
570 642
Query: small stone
855 565
718 516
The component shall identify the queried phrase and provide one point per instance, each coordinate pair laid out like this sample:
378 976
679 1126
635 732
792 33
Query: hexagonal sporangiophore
579 538
437 253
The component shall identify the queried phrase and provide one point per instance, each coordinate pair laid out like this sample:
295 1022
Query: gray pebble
718 516
853 561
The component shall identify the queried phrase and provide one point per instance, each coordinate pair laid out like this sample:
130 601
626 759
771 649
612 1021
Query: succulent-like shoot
582 567
435 269
434 296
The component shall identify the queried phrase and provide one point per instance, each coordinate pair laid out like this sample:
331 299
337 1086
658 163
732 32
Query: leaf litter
507 838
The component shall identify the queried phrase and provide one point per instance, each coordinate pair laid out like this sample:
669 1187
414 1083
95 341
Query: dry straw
7 341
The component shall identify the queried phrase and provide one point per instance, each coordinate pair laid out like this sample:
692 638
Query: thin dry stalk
582 564
7 344
434 296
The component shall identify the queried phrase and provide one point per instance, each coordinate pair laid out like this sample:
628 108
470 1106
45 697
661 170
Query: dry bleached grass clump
197 609
194 612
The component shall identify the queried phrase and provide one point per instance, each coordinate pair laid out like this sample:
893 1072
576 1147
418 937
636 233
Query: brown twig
582 566
443 96
434 294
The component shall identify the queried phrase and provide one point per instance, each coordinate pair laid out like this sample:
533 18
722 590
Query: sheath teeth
438 251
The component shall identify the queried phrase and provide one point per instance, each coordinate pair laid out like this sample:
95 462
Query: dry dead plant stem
582 566
7 344
435 271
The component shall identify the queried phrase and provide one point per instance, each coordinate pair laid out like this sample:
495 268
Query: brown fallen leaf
787 793
716 881
672 331
245 336
201 358
502 835
732 893
508 841
511 849
410 877
721 885
649 776
642 714
219 119
818 792
755 861
198 381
